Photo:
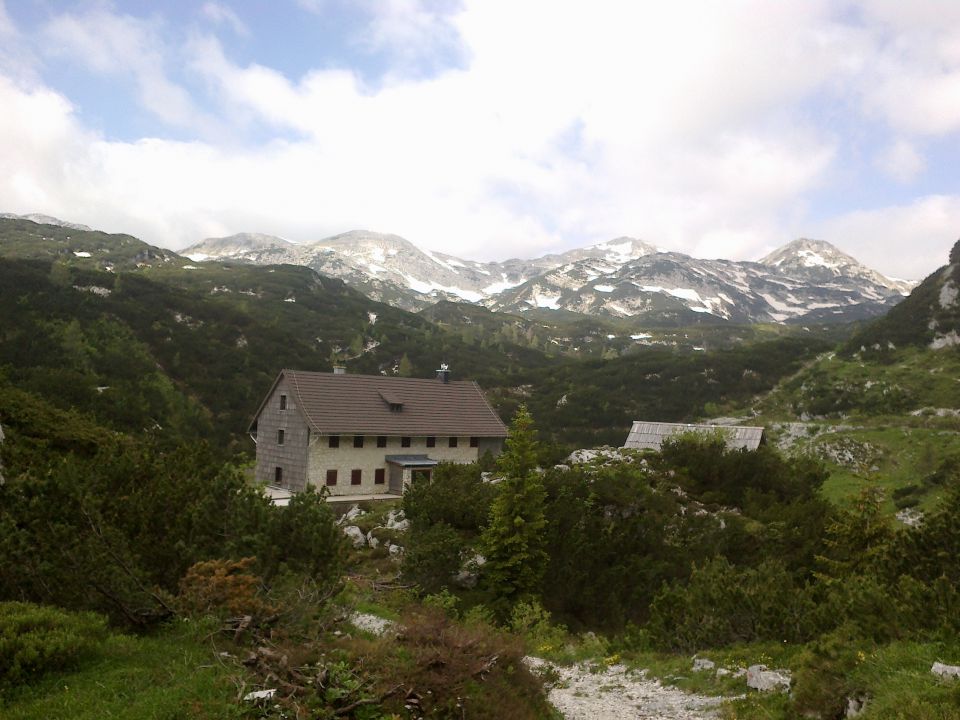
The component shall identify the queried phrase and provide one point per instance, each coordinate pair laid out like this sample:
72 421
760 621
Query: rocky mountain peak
42 219
808 253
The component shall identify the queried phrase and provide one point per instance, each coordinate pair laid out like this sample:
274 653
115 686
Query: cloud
905 241
116 45
901 161
699 127
221 14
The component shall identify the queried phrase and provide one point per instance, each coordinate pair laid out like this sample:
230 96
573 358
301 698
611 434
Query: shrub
36 639
824 678
432 556
222 587
722 605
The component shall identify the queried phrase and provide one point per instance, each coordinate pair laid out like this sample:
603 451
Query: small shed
649 435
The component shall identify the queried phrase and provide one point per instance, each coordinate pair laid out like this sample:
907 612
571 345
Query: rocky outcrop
759 677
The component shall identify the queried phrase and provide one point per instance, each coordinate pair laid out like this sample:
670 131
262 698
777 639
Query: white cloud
124 46
221 14
905 241
901 161
688 124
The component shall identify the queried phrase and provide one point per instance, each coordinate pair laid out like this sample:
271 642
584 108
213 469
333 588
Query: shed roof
649 435
368 405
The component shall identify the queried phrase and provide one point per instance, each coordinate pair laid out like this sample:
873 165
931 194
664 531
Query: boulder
372 540
724 672
352 514
701 664
395 549
945 671
397 521
764 680
355 535
855 705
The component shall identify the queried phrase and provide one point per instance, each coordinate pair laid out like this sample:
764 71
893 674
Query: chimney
339 370
443 374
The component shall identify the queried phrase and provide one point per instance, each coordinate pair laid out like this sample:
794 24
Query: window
278 476
355 476
283 402
474 442
431 441
379 476
404 442
331 477
279 437
453 442
381 440
358 441
334 441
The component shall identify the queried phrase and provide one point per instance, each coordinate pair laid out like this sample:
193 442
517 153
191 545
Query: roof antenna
443 374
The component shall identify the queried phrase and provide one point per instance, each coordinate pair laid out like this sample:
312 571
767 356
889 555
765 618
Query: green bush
824 679
722 605
35 639
432 556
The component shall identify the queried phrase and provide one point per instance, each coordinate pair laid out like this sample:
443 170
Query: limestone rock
355 535
397 521
372 540
945 671
701 664
352 514
762 679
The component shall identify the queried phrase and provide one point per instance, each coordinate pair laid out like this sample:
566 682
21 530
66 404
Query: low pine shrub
37 639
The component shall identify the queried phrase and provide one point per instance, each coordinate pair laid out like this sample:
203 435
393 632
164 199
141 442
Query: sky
490 129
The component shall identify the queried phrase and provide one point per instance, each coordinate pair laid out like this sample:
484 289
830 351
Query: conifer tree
406 367
513 542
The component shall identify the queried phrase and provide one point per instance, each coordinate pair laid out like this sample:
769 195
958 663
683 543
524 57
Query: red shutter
379 476
355 477
331 477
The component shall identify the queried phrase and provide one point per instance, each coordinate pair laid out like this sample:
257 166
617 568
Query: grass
169 676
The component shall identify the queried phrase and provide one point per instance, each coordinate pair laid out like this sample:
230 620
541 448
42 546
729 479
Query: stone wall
291 457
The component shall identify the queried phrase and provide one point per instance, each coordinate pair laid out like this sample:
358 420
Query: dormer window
393 402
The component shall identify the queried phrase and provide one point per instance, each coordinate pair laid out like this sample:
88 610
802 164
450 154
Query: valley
128 375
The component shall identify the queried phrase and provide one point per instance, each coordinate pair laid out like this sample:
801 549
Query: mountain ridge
617 278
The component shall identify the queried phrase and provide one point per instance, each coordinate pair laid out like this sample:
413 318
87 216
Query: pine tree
513 542
406 367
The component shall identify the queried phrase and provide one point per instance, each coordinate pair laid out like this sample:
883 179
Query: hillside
160 342
929 317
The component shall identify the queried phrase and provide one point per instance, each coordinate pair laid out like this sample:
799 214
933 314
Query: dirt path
621 694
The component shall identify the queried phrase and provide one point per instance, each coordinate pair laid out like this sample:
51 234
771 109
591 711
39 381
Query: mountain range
805 280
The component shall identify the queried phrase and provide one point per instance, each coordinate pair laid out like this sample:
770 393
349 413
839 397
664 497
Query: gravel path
617 693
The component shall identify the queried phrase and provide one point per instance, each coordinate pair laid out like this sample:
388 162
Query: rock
356 536
911 517
855 705
945 671
397 521
372 540
352 514
764 680
724 672
701 664
373 624
469 573
489 477
260 695
395 549
739 672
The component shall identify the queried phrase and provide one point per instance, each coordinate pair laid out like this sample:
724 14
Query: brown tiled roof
360 405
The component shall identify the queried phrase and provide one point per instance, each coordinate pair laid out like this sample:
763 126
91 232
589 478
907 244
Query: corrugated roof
649 435
360 405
